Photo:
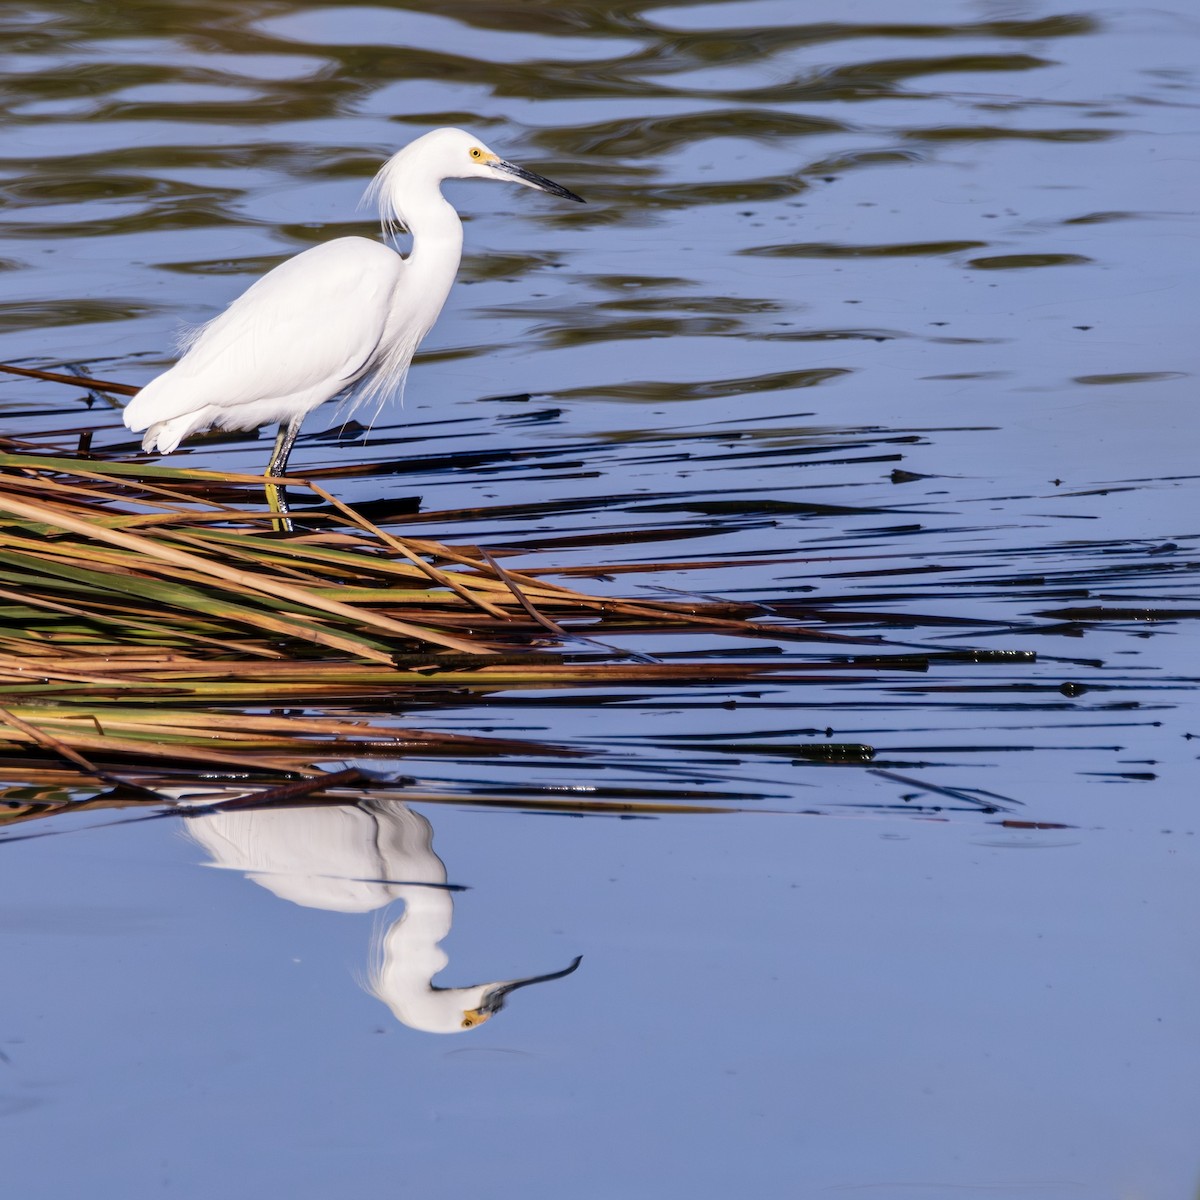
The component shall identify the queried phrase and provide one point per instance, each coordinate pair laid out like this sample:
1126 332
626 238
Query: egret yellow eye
476 152
468 1021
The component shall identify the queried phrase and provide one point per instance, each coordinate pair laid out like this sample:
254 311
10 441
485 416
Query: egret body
360 858
348 314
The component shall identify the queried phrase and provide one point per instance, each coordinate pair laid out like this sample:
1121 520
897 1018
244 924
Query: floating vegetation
544 648
152 617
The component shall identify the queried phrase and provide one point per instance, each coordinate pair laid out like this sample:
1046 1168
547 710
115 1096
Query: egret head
483 163
401 979
446 154
489 998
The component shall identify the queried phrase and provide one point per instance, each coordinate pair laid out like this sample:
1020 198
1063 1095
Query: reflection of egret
357 858
348 313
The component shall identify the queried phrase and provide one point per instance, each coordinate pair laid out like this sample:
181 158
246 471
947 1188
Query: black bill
494 1000
537 181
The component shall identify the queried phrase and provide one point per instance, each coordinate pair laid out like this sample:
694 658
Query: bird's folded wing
311 325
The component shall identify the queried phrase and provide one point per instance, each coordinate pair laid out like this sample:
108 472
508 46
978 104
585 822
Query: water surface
896 316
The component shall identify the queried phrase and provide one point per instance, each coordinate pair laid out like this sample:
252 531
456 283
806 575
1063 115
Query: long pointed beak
495 998
543 185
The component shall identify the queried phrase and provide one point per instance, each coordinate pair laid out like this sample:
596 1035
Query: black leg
277 467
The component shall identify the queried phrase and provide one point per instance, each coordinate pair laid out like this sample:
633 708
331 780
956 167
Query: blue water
818 248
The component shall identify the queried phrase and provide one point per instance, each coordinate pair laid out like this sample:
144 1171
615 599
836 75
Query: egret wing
307 329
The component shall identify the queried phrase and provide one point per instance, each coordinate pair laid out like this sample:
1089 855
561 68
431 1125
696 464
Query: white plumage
356 859
280 349
346 314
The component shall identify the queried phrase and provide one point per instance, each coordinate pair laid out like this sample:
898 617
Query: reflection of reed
358 858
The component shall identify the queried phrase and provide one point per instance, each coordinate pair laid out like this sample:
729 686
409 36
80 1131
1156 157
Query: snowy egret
347 314
360 858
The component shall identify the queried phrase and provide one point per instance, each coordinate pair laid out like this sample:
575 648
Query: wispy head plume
381 195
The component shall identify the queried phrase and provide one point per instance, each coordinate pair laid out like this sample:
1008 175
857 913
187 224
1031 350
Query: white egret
347 314
355 859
